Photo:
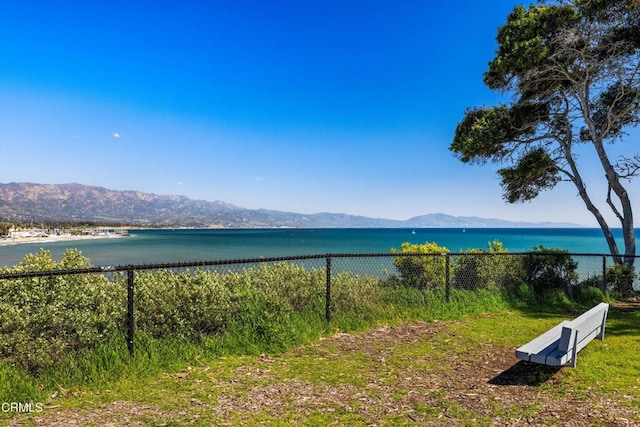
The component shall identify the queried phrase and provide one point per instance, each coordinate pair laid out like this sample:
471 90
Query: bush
281 286
588 295
594 281
46 319
266 299
486 269
181 305
555 298
550 270
358 297
620 279
422 272
42 319
520 293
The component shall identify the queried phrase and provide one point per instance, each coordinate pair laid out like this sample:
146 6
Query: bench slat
554 358
539 344
586 322
559 346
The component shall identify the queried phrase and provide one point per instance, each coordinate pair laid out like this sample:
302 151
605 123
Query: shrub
422 272
588 295
550 269
360 297
620 279
45 319
555 298
592 281
181 305
486 269
265 299
42 319
191 305
283 286
520 293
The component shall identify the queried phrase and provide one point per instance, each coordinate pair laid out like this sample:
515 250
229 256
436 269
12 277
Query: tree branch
612 206
628 168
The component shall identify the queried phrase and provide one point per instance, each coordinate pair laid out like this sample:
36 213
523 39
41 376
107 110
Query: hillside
27 202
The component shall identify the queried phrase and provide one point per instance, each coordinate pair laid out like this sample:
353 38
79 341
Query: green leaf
535 171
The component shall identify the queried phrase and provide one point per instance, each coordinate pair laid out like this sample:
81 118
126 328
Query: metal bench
560 345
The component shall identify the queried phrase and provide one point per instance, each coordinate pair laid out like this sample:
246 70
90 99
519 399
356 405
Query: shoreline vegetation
253 346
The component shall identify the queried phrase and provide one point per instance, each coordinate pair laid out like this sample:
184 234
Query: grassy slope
457 372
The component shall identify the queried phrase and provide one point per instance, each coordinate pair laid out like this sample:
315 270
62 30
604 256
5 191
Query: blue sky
303 105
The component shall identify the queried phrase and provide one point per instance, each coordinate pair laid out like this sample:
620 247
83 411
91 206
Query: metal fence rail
444 271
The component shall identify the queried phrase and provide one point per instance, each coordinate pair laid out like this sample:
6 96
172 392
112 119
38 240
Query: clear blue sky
301 105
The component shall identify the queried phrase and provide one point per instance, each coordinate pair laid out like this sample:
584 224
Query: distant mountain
442 220
26 202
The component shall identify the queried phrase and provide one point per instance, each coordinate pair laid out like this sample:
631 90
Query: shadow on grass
525 373
623 321
623 317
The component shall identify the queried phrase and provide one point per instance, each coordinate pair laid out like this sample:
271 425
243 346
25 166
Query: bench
560 345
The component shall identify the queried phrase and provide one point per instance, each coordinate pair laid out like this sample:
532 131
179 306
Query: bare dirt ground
629 304
498 390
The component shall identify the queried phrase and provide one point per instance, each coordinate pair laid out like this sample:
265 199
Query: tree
5 228
572 69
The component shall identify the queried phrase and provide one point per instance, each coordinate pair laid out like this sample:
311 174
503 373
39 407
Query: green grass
109 361
391 354
354 381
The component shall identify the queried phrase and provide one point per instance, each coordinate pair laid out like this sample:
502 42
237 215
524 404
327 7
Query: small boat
413 232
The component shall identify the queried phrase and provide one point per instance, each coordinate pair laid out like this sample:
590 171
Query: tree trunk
613 180
576 178
602 222
626 216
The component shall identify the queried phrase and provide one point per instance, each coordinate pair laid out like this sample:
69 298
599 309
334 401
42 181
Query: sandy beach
60 238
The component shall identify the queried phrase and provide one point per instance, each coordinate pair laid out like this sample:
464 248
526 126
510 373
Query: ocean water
181 245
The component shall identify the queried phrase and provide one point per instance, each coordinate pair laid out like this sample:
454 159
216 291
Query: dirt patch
486 386
627 305
489 387
115 414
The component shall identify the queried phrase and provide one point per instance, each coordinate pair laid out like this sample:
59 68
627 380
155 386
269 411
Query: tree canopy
572 71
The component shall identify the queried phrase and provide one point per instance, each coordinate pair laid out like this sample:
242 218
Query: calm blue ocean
155 246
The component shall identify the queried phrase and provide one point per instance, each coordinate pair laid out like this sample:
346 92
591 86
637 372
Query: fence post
447 282
604 273
130 319
327 314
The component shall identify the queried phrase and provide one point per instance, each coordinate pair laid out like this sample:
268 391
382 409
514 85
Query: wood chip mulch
489 386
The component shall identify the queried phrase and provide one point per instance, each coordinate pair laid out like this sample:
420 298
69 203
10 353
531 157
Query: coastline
166 245
11 241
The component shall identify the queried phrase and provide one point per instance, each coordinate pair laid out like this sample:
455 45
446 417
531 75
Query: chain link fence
76 307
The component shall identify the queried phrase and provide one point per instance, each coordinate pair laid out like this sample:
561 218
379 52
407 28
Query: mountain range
76 203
